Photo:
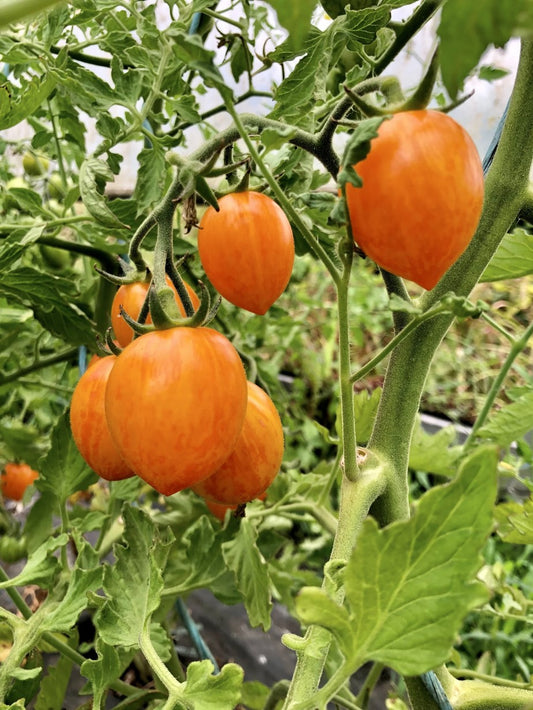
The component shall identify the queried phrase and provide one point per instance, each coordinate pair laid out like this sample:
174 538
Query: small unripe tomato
56 188
175 403
131 297
247 250
254 462
89 425
421 198
15 478
12 549
34 165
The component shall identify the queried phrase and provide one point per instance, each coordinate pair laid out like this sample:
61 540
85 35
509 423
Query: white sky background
479 115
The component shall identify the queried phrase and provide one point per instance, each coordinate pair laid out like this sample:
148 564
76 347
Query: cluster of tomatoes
175 407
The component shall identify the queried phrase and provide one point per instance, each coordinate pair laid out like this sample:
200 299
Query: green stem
349 438
174 687
498 328
494 680
370 681
398 338
332 477
106 260
39 365
319 513
406 31
410 360
221 107
475 695
222 18
8 227
419 695
355 501
516 348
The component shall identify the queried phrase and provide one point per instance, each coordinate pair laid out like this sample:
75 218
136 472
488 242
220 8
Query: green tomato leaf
515 522
53 686
512 259
305 87
15 107
16 10
276 138
423 569
254 695
191 51
313 606
197 561
25 673
206 691
251 573
150 177
65 602
41 567
435 453
50 297
409 585
511 422
62 470
356 149
102 671
12 248
467 28
38 525
133 585
94 174
295 17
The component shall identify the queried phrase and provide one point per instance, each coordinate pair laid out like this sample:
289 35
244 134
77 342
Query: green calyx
395 103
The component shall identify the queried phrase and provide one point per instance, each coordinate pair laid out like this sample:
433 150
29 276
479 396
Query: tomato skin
15 478
175 404
254 462
89 424
131 297
421 198
247 250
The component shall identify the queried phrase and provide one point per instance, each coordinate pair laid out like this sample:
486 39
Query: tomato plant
404 555
15 478
255 461
89 425
175 405
421 197
131 297
247 249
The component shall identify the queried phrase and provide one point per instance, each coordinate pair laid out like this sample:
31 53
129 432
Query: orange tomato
89 424
175 404
421 197
254 462
15 478
247 249
131 297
